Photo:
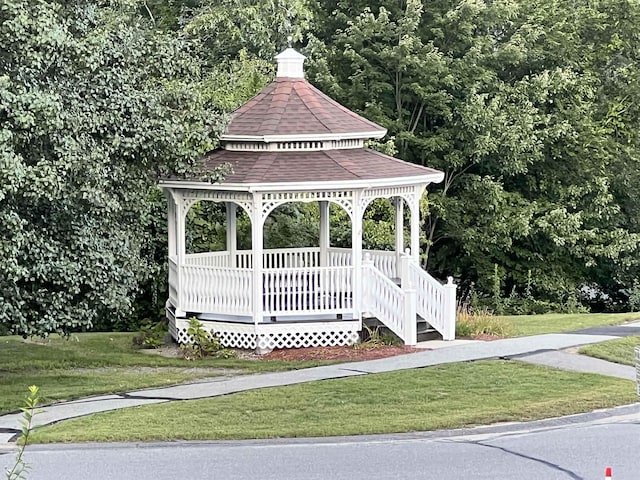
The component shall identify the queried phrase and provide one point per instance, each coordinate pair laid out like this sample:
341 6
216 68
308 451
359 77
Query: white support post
410 317
415 227
232 242
367 263
257 223
356 252
403 266
399 207
181 239
325 241
171 224
450 308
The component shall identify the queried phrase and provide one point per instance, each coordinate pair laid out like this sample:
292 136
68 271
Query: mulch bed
339 353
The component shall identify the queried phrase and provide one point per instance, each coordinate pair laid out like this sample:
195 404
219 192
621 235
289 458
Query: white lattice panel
270 336
233 335
179 330
246 341
293 335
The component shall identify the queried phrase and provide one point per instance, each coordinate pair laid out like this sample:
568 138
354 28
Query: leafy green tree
530 109
260 27
95 104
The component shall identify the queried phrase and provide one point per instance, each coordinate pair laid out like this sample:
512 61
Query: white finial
290 64
289 40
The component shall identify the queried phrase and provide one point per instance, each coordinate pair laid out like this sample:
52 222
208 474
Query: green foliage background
530 109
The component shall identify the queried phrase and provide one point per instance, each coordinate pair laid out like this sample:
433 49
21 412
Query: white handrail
436 303
208 259
391 305
383 260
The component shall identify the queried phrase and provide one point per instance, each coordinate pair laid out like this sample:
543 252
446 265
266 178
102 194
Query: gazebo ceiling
315 166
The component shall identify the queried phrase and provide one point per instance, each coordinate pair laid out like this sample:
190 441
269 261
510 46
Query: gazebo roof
292 106
291 132
317 166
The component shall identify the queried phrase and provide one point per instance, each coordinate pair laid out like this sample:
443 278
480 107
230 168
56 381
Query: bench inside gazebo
292 143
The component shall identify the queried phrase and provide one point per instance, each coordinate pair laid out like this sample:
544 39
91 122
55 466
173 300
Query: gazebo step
424 330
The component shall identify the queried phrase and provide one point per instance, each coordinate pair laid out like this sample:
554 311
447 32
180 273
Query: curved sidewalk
540 349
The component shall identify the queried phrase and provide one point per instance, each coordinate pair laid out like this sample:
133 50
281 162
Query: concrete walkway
546 350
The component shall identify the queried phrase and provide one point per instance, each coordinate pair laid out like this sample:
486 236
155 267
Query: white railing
291 257
276 258
208 259
391 305
220 290
436 303
173 282
383 260
244 259
339 257
291 291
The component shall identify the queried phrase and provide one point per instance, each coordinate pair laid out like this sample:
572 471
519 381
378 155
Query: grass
446 396
525 325
95 363
618 351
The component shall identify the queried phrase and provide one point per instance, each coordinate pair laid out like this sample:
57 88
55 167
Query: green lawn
525 325
93 363
618 351
446 396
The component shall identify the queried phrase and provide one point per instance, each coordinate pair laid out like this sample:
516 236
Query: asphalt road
578 447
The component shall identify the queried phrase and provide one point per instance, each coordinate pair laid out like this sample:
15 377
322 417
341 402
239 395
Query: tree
528 107
94 106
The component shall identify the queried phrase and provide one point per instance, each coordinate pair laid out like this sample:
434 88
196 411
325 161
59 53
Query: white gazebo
292 143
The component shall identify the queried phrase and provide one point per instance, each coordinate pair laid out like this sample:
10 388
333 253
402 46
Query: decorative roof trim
297 146
303 186
303 137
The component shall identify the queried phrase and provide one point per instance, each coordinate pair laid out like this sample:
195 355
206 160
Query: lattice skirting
268 337
320 334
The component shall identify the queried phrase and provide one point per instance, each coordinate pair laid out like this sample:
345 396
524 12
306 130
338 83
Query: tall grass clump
476 322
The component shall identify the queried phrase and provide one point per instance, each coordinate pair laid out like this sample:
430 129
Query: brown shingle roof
292 106
314 166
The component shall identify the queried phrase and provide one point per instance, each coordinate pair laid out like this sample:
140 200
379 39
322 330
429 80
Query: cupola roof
292 107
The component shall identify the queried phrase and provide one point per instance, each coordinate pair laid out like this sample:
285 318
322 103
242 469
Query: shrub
372 337
204 343
151 335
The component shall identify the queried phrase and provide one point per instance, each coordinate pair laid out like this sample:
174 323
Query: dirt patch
170 351
345 353
339 353
485 337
